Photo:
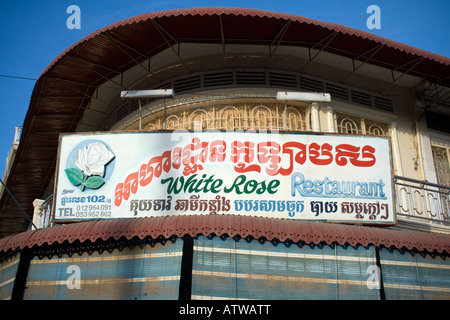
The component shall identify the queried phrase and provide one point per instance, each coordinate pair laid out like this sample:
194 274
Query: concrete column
330 119
425 152
37 213
315 121
397 159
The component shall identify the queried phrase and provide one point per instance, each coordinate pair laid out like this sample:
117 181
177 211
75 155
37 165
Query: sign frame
301 183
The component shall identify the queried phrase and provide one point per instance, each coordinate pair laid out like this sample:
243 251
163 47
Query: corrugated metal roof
265 26
63 90
231 225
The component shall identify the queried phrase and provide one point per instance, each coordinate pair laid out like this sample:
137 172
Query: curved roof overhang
67 85
227 225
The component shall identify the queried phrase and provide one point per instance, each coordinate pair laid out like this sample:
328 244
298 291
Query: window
441 156
229 268
230 118
412 275
355 125
172 122
199 120
150 272
294 120
441 164
262 117
238 115
348 124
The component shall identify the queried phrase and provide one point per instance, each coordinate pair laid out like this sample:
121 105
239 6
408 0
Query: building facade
226 67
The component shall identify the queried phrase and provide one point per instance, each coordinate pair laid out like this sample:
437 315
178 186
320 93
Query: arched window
355 125
348 124
172 122
262 117
230 118
151 126
294 120
199 120
376 128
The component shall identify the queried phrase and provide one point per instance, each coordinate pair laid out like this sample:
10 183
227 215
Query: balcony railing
45 218
422 200
415 200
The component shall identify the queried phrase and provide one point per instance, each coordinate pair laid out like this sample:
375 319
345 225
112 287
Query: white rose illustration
93 158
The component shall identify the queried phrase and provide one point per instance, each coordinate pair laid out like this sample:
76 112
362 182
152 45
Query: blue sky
34 32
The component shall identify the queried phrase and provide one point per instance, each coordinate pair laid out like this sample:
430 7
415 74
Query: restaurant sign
300 176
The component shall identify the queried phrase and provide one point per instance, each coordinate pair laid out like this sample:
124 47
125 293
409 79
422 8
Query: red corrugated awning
231 225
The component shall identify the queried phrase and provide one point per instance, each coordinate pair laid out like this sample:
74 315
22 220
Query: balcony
420 205
421 201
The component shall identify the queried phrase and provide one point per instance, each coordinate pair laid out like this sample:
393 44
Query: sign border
303 133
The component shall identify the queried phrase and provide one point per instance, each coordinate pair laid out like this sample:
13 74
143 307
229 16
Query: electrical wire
16 77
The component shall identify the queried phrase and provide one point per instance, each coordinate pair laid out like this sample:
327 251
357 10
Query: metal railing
45 216
421 200
415 200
